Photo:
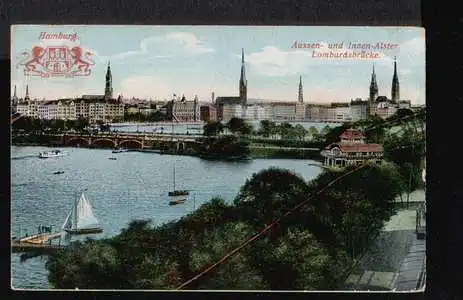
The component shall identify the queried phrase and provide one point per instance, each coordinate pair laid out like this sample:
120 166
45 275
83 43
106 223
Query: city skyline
159 61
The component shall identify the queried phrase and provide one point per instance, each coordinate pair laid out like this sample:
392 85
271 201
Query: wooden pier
37 242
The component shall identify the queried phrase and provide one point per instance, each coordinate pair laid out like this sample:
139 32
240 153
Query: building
208 113
283 111
255 112
222 101
242 99
231 111
395 89
407 104
359 110
351 150
92 107
243 82
183 110
339 112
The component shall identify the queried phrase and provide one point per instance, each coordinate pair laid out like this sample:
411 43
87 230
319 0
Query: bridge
15 118
127 140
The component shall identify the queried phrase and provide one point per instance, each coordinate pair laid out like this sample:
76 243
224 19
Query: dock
36 242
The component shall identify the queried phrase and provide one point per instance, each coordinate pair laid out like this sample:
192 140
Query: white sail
68 223
85 217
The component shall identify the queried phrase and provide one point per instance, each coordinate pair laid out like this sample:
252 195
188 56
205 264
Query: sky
155 62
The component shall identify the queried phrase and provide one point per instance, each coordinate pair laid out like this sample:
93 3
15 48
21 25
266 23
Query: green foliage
238 125
213 128
152 117
237 273
333 134
313 247
225 147
266 128
32 125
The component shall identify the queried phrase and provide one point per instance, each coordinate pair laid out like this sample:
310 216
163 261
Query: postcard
257 158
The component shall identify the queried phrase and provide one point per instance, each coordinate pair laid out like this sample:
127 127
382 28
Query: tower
395 91
108 91
195 109
300 97
27 93
373 87
243 82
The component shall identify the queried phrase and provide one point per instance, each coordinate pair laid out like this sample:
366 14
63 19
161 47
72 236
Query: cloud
168 45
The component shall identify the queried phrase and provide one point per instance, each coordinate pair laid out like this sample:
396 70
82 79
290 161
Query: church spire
108 92
15 95
243 81
373 86
395 91
27 93
300 97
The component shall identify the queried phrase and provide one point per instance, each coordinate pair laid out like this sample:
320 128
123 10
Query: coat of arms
57 61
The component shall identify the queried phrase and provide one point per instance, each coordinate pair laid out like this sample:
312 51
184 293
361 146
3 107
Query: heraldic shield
57 61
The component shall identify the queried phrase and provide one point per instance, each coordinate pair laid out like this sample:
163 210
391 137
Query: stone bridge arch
104 142
132 144
180 146
77 140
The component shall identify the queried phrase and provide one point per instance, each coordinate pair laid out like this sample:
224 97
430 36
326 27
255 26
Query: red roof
352 134
348 148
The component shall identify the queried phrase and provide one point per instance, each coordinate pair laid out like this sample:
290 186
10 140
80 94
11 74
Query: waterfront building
359 110
339 112
232 111
208 113
406 104
284 111
183 110
351 150
255 112
316 112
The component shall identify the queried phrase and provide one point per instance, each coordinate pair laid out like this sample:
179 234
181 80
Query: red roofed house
351 150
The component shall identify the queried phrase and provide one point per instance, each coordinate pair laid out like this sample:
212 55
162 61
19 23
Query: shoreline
255 153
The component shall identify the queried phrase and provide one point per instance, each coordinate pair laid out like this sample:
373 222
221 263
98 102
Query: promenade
396 259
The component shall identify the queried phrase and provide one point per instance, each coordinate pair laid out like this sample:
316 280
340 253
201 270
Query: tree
266 128
237 273
238 125
81 123
300 132
212 128
286 130
333 134
268 194
305 263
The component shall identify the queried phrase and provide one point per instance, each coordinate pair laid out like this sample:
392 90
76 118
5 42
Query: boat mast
173 166
74 224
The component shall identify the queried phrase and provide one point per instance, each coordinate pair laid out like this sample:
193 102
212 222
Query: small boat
51 154
80 219
58 172
178 201
120 150
112 158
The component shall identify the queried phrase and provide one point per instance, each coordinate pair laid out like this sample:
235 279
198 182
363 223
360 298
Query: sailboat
178 195
80 219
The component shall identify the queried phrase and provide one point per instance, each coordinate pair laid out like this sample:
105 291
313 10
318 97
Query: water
134 186
198 128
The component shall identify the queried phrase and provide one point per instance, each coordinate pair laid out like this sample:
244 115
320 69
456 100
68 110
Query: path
394 261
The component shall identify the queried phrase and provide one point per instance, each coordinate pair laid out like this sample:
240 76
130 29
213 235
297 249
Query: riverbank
255 151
